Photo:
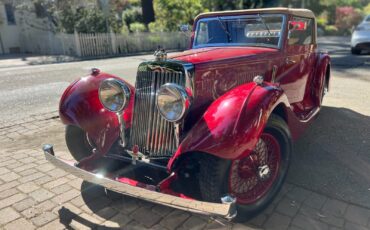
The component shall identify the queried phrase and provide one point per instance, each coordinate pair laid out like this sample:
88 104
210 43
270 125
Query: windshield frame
280 43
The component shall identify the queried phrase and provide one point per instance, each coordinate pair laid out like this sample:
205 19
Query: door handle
289 61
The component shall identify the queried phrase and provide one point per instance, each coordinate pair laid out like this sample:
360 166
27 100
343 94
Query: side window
300 31
9 10
202 36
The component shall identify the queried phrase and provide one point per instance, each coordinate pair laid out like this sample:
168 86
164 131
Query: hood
202 55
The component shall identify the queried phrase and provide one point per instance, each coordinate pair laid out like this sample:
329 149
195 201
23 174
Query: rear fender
323 65
80 106
232 125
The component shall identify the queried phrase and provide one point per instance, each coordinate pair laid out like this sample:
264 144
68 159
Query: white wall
27 25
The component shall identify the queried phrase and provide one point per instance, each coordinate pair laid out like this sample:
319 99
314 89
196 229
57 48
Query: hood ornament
160 54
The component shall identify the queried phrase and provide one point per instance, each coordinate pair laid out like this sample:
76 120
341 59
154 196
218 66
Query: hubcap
264 172
250 178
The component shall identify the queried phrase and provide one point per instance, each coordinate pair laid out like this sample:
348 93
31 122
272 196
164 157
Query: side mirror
184 28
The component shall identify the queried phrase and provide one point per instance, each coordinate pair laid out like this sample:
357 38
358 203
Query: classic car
207 130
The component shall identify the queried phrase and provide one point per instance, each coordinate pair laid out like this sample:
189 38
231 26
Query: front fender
80 106
232 125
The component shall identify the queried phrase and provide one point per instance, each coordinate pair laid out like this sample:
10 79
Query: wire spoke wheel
253 180
251 177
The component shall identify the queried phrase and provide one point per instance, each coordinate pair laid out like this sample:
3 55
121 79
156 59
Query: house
26 27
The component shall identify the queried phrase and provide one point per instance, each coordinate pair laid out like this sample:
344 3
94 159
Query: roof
282 10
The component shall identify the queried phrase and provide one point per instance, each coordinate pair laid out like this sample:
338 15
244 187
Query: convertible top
282 10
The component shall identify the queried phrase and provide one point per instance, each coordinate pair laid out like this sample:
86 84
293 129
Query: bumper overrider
226 209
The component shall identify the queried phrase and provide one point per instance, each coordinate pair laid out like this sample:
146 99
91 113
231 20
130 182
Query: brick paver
36 195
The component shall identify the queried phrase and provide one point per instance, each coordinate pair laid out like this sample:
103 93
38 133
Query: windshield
252 30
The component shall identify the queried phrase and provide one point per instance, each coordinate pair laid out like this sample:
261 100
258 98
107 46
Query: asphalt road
30 90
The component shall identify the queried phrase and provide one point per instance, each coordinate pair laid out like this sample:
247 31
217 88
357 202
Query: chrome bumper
226 209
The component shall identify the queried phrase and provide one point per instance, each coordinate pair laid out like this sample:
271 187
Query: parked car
360 39
208 130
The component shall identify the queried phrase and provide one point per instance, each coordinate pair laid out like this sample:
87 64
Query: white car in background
361 37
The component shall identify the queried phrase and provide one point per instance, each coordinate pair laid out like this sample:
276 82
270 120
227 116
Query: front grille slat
157 118
150 101
150 132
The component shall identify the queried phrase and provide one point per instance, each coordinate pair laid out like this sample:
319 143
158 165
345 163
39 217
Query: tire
217 176
77 142
355 51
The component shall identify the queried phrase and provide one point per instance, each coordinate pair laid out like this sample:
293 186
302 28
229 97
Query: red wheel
254 180
250 178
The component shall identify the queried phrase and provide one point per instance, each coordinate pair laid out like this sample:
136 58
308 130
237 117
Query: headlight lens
114 94
172 102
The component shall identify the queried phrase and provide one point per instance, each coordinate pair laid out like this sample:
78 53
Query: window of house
9 10
300 31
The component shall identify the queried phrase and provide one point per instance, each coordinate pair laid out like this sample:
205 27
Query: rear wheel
254 180
78 142
355 51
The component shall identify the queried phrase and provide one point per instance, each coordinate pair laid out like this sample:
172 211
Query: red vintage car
208 130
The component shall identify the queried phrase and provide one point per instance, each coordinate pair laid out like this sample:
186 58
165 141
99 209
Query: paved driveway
328 185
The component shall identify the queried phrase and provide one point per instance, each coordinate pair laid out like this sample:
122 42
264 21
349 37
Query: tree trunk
148 11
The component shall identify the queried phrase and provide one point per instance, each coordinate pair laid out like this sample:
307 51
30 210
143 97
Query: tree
170 14
216 5
148 11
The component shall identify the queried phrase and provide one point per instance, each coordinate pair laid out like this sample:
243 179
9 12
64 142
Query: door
299 61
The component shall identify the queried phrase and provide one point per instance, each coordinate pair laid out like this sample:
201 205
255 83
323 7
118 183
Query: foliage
86 21
137 27
170 14
156 27
331 30
127 15
131 15
90 21
353 3
215 5
367 9
346 18
322 20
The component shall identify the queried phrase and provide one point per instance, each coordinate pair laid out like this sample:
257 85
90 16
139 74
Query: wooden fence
101 44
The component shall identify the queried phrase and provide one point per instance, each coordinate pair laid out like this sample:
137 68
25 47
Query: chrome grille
150 132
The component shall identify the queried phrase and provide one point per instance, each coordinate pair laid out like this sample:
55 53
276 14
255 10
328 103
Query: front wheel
254 180
78 142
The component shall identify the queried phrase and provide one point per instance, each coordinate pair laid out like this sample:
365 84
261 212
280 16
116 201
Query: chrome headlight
172 102
114 94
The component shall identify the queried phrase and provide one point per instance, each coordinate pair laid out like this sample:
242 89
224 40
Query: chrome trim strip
207 208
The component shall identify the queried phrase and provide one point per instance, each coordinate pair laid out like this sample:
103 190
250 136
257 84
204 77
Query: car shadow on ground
332 157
